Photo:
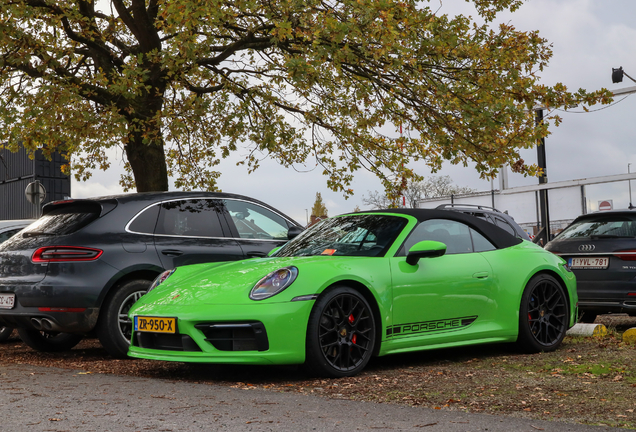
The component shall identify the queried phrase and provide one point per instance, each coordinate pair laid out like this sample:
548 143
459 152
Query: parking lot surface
50 399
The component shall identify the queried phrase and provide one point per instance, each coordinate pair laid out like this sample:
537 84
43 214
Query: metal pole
629 182
583 200
543 194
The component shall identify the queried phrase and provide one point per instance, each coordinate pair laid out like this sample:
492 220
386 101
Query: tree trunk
148 163
145 147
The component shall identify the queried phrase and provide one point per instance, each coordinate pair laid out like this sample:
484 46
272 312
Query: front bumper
261 333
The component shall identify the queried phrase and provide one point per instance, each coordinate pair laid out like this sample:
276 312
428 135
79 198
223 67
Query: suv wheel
5 332
114 328
48 341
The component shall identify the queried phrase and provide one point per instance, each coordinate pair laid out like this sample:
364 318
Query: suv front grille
249 336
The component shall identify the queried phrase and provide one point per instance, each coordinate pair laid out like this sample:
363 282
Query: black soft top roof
500 238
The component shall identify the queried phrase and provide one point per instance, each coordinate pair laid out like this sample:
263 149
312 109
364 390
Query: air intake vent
168 342
236 336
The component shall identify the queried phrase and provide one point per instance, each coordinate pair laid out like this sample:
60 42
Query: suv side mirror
425 249
293 232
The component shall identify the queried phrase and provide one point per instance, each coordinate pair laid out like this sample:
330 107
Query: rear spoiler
98 206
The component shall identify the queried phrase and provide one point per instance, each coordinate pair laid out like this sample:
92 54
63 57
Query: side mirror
293 232
425 249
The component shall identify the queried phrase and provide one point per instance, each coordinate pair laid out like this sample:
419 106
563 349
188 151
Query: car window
455 235
501 223
8 234
64 219
145 221
256 222
601 227
190 218
480 243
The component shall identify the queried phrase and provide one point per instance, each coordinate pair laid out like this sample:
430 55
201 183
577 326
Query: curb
598 330
629 336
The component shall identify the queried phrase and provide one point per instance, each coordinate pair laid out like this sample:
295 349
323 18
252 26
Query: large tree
181 84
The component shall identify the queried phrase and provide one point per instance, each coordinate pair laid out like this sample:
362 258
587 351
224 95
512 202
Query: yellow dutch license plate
155 324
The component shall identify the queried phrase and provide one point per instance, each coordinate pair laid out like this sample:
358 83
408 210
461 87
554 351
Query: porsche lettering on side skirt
431 326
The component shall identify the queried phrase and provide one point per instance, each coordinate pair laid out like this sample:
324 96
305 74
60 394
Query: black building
17 170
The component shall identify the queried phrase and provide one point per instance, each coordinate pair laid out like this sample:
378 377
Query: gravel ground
588 380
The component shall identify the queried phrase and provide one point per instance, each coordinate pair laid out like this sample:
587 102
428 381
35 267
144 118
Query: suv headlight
274 283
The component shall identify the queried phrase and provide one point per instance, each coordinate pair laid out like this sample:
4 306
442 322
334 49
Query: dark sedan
80 267
601 251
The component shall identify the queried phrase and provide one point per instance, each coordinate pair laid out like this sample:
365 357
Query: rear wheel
340 334
48 341
114 328
543 315
5 332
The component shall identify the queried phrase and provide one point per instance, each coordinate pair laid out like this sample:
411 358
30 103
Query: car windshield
602 227
352 235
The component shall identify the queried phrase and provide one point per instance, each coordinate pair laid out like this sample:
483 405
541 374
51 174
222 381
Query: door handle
480 275
172 252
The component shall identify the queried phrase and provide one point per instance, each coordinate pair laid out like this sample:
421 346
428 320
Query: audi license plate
155 324
7 301
588 263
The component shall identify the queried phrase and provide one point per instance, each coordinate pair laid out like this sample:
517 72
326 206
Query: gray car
7 229
10 227
77 270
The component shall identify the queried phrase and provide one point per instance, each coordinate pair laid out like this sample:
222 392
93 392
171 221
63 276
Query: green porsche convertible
359 285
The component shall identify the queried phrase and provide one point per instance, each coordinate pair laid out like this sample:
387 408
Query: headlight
160 279
274 283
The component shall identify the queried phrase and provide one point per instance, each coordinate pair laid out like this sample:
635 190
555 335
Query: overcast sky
589 37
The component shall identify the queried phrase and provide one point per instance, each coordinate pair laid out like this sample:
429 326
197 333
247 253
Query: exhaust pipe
36 323
47 324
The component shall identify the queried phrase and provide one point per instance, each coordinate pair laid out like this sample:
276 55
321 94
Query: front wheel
114 328
543 315
340 334
48 341
5 332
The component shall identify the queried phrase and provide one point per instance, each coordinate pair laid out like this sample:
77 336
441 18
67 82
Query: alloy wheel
125 323
346 332
547 312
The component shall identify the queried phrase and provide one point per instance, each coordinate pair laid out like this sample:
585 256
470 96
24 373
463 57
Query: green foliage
319 209
180 85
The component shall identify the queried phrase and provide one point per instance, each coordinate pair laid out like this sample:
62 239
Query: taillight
65 253
626 255
60 309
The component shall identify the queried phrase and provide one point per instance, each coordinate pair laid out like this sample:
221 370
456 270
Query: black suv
600 248
80 267
489 214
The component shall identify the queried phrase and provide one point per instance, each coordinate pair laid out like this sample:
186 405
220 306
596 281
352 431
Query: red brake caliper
354 337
